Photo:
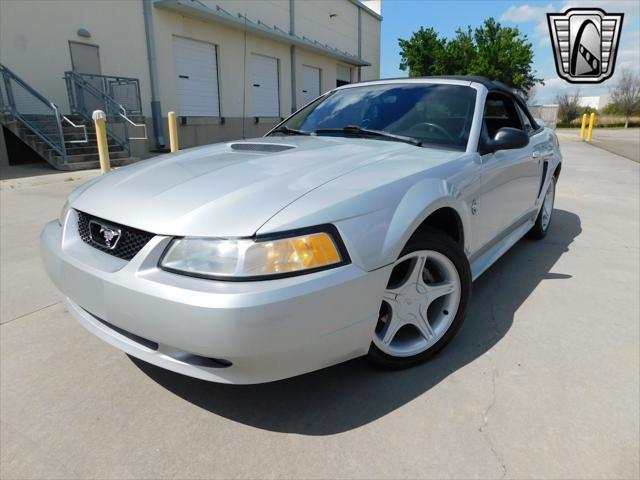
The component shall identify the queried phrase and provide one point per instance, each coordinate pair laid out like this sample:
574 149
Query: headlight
254 259
63 213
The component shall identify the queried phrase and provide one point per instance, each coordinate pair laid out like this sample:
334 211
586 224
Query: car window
436 114
525 120
499 112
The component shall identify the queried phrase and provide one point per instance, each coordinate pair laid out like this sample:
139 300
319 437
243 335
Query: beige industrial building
228 68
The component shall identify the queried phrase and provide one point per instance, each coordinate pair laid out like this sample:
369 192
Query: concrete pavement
542 381
621 141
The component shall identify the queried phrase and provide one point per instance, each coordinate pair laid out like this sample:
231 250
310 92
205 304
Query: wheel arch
429 204
445 219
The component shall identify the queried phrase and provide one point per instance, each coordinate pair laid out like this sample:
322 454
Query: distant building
228 68
596 102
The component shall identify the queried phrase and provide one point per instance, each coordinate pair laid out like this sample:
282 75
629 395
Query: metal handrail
143 125
112 108
107 83
83 127
60 147
55 141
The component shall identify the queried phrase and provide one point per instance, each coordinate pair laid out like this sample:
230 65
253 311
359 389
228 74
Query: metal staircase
66 142
96 92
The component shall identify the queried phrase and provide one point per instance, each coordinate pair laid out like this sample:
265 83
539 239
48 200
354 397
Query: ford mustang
354 227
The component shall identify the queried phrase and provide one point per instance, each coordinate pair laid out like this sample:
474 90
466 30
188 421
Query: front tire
425 302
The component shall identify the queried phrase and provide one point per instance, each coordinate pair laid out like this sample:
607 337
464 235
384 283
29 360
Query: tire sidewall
441 243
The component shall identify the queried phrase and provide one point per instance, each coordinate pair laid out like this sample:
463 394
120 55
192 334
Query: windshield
433 114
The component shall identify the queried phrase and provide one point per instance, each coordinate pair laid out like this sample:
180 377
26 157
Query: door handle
256 84
183 76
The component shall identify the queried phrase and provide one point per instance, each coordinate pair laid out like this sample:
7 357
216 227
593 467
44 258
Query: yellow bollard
584 126
99 118
592 121
173 132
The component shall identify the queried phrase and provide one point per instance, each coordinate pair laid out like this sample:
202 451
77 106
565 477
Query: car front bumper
266 330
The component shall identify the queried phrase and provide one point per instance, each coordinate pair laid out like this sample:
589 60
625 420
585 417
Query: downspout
156 111
292 31
359 42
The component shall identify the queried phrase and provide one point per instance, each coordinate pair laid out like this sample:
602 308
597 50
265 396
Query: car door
509 178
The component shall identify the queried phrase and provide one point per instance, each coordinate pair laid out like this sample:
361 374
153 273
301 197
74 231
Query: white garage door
310 83
264 79
343 75
197 82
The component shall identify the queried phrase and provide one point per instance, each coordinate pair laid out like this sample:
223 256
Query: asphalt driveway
542 381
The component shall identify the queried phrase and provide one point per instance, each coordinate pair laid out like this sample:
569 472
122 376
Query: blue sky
403 17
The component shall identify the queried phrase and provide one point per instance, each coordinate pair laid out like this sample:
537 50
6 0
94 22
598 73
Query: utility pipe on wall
156 110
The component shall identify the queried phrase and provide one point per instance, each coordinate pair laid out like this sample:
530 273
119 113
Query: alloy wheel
419 304
547 206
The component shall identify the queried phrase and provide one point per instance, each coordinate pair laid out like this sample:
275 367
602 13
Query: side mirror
507 138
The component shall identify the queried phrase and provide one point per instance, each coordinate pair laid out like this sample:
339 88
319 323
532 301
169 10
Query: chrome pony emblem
585 43
104 235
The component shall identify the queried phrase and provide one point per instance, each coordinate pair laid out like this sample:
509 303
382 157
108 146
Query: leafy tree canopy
497 52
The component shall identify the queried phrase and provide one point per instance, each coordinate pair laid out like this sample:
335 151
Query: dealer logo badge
585 43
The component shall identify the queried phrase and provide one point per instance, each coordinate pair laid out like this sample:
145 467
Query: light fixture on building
83 32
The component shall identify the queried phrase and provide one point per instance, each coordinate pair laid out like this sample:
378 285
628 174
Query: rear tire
425 302
543 220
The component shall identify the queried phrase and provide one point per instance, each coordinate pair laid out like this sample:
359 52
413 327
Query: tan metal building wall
35 36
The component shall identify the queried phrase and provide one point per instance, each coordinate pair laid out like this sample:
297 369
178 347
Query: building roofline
197 9
371 12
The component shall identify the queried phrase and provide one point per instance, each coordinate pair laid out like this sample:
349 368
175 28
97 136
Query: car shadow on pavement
352 394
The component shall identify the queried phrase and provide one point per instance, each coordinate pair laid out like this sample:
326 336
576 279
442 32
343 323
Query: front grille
131 242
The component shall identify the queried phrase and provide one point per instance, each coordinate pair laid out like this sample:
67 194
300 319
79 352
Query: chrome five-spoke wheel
424 302
547 205
419 304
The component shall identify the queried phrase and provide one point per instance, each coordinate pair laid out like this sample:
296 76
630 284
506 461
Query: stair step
89 150
92 164
31 137
88 157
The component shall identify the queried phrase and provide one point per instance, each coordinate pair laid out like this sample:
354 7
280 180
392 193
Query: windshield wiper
289 131
355 130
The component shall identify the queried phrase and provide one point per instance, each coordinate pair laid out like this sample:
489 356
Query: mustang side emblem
585 43
104 235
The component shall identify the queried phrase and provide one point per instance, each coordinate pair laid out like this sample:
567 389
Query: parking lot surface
621 141
542 381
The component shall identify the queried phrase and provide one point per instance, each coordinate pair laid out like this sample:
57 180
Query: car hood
229 189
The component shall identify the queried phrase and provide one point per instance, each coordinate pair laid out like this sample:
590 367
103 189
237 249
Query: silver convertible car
354 227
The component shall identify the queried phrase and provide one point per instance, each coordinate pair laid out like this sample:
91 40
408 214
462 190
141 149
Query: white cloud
525 13
611 6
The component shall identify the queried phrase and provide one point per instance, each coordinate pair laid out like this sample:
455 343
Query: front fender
375 223
420 201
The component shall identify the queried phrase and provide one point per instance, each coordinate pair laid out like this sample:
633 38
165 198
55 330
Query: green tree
568 106
422 53
459 53
625 97
491 50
